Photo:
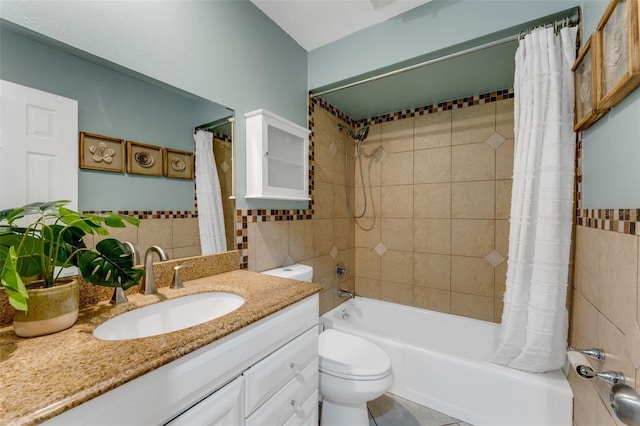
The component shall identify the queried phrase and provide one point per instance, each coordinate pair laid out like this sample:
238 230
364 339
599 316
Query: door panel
38 146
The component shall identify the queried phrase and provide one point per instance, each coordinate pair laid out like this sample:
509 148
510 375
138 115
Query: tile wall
605 314
605 295
438 185
435 232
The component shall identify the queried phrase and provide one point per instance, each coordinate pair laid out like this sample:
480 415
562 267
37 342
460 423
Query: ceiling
314 23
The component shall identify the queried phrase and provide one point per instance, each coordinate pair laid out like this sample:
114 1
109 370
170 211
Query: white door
38 146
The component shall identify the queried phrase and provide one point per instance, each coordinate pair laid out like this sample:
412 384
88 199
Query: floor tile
391 410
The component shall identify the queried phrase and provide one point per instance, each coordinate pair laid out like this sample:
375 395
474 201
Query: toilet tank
295 272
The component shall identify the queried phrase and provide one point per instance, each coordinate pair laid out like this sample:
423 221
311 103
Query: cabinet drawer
280 407
306 414
267 376
224 407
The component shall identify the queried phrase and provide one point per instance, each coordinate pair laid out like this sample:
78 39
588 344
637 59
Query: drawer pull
296 405
295 368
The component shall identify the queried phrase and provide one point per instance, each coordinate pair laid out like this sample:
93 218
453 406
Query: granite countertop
44 376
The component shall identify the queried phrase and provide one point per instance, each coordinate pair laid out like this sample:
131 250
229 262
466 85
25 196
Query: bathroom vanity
257 365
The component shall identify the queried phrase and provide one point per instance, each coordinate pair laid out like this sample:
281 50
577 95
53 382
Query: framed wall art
178 164
100 152
618 60
585 78
144 159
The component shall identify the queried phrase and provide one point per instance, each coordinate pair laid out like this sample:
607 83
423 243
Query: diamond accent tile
224 166
380 154
380 249
333 149
495 140
494 258
333 252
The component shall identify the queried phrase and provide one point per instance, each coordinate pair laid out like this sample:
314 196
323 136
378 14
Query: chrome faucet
118 295
148 284
344 293
134 252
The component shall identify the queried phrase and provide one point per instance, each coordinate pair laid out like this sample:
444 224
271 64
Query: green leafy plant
41 238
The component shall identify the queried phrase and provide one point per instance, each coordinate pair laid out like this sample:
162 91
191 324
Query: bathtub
438 362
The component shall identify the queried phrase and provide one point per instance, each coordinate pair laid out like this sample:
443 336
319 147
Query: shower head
360 136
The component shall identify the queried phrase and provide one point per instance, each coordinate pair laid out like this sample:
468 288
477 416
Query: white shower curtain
534 321
210 214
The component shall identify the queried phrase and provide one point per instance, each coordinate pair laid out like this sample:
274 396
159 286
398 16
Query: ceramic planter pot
50 310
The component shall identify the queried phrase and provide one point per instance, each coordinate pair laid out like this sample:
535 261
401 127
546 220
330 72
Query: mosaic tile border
625 221
150 214
483 98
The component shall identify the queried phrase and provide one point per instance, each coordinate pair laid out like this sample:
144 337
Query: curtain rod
572 20
214 124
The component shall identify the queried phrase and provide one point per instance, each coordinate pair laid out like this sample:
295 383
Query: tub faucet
148 284
344 293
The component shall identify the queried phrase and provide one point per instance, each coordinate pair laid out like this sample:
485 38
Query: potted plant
40 239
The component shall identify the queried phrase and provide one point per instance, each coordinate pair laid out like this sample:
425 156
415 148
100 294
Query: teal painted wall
113 104
610 147
228 52
424 30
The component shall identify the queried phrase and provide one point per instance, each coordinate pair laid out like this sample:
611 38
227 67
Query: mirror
118 103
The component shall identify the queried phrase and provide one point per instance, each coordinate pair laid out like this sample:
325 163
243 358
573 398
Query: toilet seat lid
352 357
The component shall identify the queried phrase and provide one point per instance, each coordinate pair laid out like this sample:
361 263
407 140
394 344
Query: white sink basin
170 315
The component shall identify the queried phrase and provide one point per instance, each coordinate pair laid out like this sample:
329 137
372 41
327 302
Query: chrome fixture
133 249
118 296
176 283
148 284
359 137
625 402
344 314
593 353
344 293
341 271
611 377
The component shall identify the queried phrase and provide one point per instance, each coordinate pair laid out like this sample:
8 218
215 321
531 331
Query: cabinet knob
296 405
295 368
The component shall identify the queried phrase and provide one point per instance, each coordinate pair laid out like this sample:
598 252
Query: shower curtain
210 214
534 327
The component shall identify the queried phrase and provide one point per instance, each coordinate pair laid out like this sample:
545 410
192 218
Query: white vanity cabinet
277 157
271 363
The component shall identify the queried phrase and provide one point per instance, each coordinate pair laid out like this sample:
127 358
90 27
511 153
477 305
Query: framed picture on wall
585 78
100 152
618 60
144 159
178 164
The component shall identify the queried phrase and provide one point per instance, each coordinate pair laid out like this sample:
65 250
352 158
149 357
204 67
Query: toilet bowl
353 370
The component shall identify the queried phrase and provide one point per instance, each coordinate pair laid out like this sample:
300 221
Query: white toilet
353 370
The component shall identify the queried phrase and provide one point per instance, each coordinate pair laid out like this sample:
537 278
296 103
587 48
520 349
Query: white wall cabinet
277 157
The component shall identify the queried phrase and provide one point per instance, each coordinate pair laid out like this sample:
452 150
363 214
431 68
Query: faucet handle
177 279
